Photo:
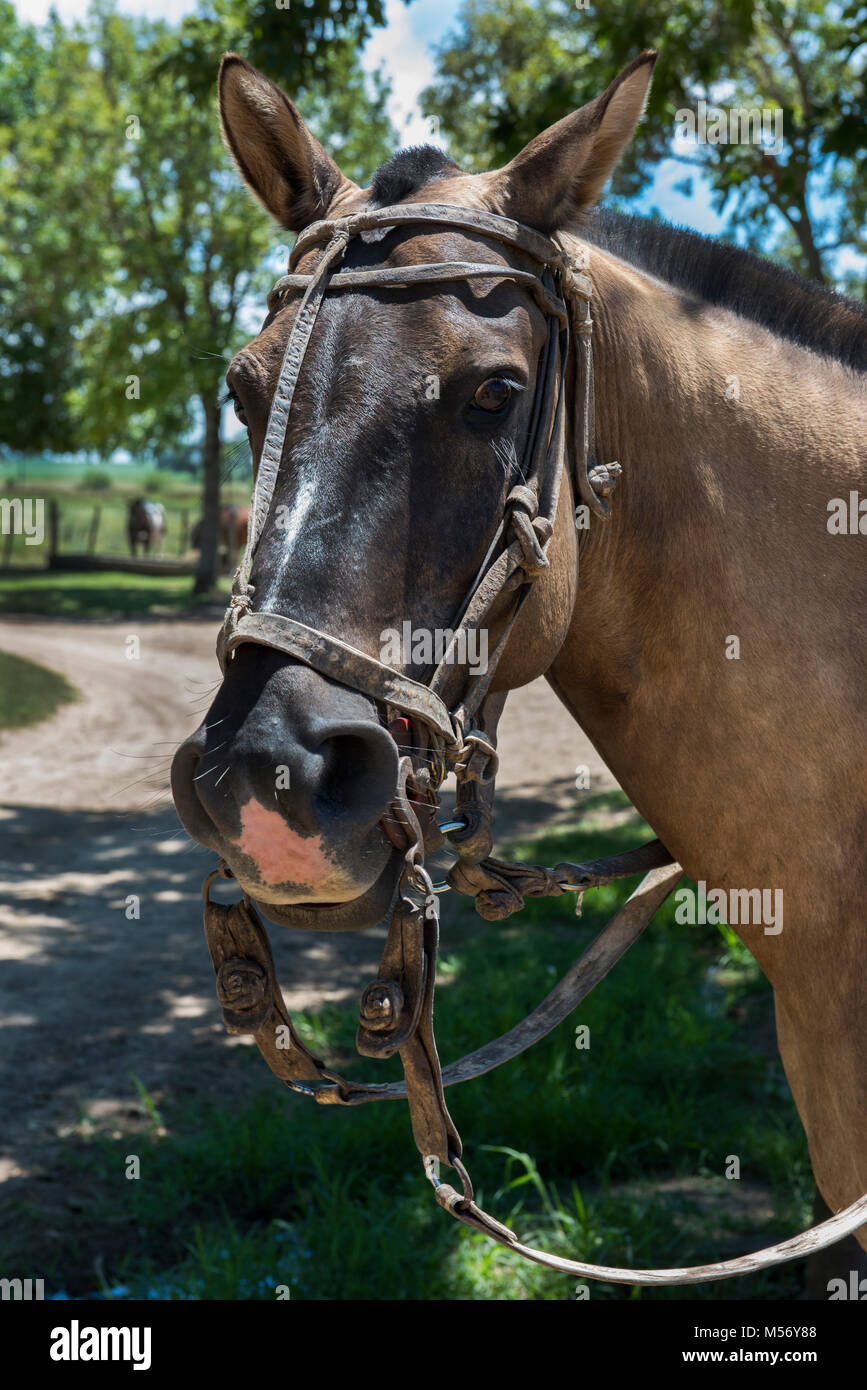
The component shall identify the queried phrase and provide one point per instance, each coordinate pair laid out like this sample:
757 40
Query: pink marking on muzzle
279 852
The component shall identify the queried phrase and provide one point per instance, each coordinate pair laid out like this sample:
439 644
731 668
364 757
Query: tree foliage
130 245
527 63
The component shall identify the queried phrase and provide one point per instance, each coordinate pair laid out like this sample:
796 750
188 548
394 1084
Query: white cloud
403 49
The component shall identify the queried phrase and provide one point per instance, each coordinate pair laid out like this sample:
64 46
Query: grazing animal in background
146 525
242 516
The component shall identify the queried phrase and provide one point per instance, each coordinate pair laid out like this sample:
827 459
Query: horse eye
237 407
493 395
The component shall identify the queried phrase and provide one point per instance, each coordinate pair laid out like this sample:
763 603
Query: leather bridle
446 718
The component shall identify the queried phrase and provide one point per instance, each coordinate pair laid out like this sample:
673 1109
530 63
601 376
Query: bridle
446 714
530 508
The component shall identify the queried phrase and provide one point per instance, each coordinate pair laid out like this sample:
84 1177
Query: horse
146 525
713 650
241 518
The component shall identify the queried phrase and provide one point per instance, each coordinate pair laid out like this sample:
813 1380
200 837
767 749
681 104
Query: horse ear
277 157
563 171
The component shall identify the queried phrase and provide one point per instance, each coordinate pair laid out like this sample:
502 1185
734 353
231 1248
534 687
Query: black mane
719 273
408 170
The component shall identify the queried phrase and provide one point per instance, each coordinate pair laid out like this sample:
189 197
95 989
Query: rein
396 1011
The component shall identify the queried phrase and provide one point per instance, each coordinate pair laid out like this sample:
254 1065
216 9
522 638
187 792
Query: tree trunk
206 572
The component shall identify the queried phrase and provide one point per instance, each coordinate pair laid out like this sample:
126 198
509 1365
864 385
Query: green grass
79 490
67 594
30 693
615 1154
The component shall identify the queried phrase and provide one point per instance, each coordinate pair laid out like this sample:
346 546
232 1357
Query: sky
404 47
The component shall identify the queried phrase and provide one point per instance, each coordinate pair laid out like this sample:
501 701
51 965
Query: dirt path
89 997
146 685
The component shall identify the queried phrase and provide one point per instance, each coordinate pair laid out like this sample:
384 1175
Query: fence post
185 529
53 531
7 548
94 529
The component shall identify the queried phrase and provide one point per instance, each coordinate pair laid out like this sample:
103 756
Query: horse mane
711 271
408 170
719 273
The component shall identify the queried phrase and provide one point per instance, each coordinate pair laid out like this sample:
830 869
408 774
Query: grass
614 1154
67 594
78 491
30 693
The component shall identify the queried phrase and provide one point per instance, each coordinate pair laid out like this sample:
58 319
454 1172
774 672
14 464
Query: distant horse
241 517
146 524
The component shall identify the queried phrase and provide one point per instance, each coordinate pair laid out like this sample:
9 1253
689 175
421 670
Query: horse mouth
375 903
364 911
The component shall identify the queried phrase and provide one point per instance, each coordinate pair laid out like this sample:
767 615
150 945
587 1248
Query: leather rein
446 715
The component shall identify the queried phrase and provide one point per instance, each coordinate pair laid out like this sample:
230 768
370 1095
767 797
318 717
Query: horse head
389 489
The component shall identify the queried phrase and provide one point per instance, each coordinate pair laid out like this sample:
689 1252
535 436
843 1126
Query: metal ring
459 824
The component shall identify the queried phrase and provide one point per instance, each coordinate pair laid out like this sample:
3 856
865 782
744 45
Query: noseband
396 1013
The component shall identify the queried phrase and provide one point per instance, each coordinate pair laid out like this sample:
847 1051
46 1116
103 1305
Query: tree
293 41
46 279
164 240
527 63
194 243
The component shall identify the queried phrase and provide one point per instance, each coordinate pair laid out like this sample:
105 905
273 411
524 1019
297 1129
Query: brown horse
146 525
240 539
714 651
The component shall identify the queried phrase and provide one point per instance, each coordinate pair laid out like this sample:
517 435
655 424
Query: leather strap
594 964
346 664
845 1223
378 222
432 272
531 506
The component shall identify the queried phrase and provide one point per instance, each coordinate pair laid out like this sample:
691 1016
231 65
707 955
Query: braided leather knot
569 277
531 531
239 604
604 478
244 992
477 759
381 1005
532 537
500 887
524 497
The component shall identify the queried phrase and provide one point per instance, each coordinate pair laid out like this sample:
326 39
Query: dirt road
90 996
146 685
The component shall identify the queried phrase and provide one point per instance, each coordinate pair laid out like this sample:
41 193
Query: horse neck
732 442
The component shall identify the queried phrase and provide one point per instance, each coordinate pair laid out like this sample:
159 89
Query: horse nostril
185 767
359 772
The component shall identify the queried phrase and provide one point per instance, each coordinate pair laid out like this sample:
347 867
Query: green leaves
528 63
129 250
